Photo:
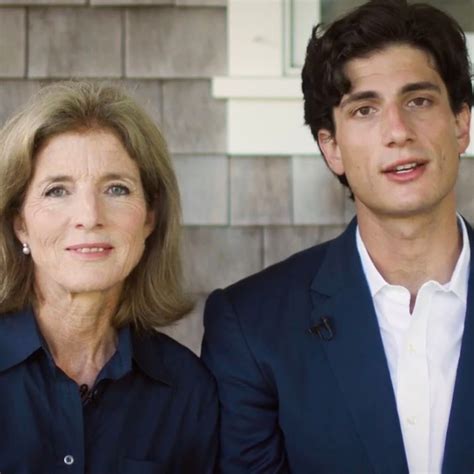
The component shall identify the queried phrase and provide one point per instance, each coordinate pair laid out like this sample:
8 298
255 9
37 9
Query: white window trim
265 103
300 16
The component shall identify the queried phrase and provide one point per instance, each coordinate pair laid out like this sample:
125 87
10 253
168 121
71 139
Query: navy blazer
294 402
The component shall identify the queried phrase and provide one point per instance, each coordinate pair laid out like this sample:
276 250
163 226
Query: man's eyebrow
356 96
419 86
411 87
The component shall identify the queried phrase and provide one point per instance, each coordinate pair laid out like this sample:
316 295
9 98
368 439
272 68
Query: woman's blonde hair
153 294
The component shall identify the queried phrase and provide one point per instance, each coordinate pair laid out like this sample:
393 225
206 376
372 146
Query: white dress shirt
422 351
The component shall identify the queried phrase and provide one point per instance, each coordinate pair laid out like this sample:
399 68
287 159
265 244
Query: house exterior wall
247 202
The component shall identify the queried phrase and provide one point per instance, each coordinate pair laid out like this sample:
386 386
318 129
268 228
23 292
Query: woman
89 265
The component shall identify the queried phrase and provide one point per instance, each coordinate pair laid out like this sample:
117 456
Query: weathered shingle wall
240 213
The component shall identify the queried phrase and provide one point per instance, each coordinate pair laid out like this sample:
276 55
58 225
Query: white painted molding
255 37
300 17
265 107
268 127
257 88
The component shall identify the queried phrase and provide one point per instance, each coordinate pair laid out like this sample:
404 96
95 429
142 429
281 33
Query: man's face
397 139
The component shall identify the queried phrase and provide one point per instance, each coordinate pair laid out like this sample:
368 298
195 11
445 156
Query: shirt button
411 420
411 348
68 459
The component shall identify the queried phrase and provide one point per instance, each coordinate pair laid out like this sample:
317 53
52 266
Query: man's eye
363 111
419 102
57 191
118 190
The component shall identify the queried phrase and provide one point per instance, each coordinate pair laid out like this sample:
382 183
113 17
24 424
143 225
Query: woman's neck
79 333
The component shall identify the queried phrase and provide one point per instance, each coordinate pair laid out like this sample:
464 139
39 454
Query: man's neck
412 250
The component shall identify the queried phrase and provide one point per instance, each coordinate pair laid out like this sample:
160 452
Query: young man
357 355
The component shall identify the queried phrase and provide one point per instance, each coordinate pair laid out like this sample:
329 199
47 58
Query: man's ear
332 154
463 128
19 228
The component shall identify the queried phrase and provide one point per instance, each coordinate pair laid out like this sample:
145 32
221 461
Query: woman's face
84 217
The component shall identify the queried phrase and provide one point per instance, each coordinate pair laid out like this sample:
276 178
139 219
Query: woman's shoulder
161 354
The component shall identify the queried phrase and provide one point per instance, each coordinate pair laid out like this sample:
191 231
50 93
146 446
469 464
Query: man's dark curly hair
370 28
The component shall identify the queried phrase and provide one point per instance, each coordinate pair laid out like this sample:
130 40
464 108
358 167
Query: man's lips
404 167
95 247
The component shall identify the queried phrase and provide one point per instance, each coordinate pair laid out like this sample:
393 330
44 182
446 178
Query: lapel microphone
323 329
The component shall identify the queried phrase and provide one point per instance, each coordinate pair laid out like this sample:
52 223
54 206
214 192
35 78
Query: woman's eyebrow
112 176
68 178
55 179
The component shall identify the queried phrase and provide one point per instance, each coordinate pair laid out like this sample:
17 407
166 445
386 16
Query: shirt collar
459 279
19 337
146 352
374 279
121 362
149 355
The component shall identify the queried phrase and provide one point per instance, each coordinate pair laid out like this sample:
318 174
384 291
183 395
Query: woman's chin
78 287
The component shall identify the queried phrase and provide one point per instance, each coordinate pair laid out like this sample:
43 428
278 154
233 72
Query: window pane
303 15
331 9
462 10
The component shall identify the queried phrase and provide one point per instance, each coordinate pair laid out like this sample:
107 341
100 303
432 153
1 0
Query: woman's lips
103 245
92 250
89 250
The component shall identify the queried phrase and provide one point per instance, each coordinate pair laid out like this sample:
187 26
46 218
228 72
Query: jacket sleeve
250 438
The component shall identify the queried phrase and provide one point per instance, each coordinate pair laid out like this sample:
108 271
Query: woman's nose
87 212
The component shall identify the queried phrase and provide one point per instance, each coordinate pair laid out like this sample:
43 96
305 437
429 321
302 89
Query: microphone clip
323 329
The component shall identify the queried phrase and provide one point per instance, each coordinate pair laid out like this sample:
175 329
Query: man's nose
88 213
396 126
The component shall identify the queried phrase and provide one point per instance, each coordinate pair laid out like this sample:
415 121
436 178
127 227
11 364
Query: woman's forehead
84 153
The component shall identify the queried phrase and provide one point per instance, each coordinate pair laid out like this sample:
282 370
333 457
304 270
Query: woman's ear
332 154
150 222
19 228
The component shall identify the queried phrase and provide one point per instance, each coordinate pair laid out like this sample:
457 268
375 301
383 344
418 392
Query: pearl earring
26 249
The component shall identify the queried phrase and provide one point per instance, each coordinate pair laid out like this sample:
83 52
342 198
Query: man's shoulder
300 267
296 270
282 293
270 287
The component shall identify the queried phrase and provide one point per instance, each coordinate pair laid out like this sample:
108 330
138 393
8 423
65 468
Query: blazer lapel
356 354
459 447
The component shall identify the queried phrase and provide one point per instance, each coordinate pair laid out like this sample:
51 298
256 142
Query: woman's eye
57 191
118 190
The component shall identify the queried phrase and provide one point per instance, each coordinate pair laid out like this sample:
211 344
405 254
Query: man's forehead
391 67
